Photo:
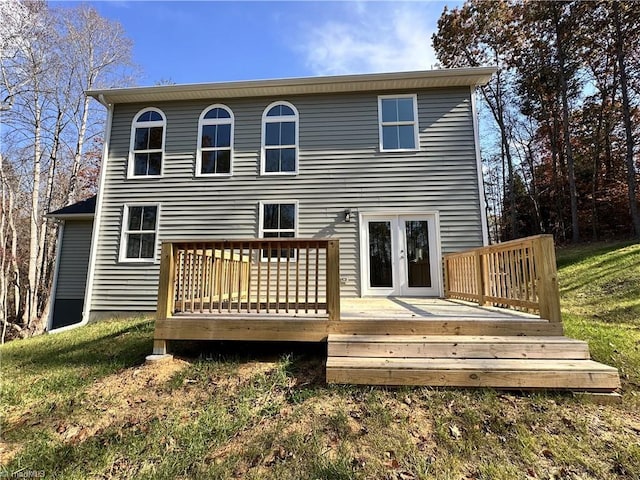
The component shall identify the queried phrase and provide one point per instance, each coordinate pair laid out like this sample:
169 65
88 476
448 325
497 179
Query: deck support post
548 291
333 280
160 347
166 295
166 282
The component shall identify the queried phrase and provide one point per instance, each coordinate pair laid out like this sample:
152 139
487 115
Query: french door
400 255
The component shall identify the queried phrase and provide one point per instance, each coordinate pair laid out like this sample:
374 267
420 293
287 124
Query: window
215 141
139 233
398 116
147 144
278 220
279 140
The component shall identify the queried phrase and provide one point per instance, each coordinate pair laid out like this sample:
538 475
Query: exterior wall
340 167
73 266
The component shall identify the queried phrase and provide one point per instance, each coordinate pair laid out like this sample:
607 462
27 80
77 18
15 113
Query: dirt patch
127 398
8 451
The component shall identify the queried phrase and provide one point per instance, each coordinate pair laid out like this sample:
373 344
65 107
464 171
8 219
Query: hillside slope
600 299
83 405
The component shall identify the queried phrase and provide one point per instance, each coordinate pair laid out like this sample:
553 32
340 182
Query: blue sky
191 42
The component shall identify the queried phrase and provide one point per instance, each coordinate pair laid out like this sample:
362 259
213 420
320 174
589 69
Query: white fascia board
379 82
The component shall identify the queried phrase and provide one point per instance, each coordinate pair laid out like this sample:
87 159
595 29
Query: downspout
481 196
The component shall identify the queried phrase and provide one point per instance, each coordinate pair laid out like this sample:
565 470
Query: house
253 210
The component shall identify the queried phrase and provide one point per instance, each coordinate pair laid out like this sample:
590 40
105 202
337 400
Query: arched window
147 144
279 139
215 142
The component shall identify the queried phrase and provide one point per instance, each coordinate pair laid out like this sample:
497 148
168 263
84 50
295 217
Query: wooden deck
359 316
229 290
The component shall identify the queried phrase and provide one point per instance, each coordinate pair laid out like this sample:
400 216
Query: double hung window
398 117
278 220
139 233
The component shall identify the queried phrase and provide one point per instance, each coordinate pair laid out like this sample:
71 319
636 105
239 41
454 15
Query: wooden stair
504 362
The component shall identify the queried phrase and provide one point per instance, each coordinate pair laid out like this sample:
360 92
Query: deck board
453 346
595 381
471 364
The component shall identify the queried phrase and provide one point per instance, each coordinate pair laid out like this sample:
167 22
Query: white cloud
373 38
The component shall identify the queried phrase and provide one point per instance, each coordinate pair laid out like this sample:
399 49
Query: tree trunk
596 166
498 115
4 213
573 194
32 295
626 115
77 158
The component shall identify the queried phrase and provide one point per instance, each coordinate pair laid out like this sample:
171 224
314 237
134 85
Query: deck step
446 326
457 346
504 362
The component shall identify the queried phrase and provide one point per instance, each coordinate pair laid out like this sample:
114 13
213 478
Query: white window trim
135 124
124 231
415 123
214 121
264 148
261 229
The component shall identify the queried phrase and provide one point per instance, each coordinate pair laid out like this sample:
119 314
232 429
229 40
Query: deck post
166 293
547 278
333 279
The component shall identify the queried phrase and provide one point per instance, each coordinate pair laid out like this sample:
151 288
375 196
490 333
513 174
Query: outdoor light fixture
347 215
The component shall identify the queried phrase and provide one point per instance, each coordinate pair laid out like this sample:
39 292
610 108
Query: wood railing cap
250 240
500 246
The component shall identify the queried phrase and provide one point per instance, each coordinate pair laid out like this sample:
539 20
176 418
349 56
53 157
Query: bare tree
97 49
50 58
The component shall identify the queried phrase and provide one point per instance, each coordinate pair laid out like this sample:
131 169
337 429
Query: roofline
298 86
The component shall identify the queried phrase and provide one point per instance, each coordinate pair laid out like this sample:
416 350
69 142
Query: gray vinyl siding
74 260
340 167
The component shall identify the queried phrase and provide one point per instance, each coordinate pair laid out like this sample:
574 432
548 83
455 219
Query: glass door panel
417 253
380 254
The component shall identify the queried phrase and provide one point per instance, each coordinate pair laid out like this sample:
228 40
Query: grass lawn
82 404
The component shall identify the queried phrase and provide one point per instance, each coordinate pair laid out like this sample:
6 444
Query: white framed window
279 139
139 236
398 120
214 157
278 220
146 151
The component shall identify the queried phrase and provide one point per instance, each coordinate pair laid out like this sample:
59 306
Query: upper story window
147 144
398 117
279 140
139 233
215 142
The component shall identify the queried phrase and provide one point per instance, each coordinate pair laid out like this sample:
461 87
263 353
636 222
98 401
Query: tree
566 104
479 33
627 25
54 56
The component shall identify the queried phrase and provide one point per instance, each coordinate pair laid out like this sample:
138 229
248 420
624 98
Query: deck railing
519 274
254 276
